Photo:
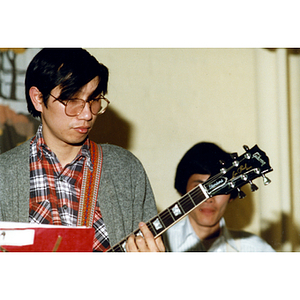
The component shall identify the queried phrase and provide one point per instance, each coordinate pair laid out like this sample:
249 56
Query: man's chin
78 142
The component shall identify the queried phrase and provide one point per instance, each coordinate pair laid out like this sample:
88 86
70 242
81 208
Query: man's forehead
199 177
90 87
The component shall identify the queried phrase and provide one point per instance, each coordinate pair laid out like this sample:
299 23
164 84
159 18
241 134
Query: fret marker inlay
176 210
123 245
157 224
139 233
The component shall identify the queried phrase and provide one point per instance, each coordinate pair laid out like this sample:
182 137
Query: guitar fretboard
164 220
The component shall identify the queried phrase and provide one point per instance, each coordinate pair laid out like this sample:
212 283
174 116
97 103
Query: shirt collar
188 229
186 233
41 147
225 236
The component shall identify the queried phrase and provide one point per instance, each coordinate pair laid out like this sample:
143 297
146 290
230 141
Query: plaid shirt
55 191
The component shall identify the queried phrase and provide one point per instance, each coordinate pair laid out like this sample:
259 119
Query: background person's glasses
74 107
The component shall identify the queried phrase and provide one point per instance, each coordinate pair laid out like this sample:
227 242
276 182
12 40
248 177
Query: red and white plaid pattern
55 191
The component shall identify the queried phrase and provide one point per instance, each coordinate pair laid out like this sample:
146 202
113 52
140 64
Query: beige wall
170 99
163 101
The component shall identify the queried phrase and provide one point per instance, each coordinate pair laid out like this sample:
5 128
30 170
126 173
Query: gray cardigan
125 195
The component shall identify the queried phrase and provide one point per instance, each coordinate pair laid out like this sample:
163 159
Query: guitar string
195 193
184 200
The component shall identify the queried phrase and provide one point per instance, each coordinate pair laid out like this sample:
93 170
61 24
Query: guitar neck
167 218
243 169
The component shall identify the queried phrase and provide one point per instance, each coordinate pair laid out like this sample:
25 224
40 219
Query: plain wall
163 101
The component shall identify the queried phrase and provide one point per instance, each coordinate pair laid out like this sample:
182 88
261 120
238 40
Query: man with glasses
60 176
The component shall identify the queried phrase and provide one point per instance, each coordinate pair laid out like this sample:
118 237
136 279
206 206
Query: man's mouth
82 129
206 210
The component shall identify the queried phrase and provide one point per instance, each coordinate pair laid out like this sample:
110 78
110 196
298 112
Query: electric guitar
243 169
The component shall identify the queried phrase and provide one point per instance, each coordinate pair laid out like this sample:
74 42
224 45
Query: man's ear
36 98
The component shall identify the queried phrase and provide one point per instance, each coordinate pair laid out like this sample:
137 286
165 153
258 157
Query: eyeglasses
74 107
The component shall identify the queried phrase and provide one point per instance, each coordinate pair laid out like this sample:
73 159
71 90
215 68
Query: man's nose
86 113
210 200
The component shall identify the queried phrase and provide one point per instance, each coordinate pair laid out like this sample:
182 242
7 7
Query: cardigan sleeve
125 194
15 184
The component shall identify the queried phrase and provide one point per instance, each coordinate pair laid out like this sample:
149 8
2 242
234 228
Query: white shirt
181 237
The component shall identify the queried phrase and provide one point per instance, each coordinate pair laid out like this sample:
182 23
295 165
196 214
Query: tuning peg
241 194
246 147
222 170
222 162
253 186
266 179
234 155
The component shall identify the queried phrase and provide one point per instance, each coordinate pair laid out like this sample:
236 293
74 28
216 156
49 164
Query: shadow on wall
112 129
239 212
239 215
15 128
281 232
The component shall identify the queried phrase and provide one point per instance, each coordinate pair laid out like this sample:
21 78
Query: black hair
69 68
202 158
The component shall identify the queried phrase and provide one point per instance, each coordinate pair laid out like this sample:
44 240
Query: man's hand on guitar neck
145 243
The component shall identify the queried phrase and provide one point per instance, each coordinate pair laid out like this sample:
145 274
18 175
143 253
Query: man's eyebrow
93 95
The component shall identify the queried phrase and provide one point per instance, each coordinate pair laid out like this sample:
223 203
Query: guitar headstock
243 169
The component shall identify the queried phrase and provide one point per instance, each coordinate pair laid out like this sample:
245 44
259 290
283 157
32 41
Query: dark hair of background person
202 158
